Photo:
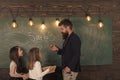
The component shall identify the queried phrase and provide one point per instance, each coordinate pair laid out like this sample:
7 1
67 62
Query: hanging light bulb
88 17
14 24
57 21
100 23
43 26
30 22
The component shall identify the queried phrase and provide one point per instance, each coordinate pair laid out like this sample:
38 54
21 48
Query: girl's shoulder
12 63
37 63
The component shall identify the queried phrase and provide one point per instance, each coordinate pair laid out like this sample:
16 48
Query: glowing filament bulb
30 22
88 18
14 24
100 24
43 26
57 22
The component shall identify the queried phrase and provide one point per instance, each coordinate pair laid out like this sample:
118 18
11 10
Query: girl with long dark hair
16 64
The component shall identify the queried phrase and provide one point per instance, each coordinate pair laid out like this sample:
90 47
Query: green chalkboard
96 46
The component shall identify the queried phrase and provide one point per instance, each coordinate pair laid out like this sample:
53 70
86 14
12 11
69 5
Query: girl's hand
25 76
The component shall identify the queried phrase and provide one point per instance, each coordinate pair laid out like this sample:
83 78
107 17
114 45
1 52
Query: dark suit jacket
71 53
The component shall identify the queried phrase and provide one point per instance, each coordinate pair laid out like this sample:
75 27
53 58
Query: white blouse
12 63
13 68
36 73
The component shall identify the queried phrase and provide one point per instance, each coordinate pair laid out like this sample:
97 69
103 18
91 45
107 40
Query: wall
66 8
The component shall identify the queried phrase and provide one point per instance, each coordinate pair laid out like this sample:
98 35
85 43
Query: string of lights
34 9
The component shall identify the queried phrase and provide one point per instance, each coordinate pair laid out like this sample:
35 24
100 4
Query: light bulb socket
100 20
57 19
87 14
43 22
14 20
30 19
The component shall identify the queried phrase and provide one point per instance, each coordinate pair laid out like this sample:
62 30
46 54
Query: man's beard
64 35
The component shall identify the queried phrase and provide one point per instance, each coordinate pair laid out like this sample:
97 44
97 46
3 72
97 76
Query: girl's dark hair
33 56
66 23
15 57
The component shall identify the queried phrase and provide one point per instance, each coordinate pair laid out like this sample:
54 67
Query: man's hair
66 23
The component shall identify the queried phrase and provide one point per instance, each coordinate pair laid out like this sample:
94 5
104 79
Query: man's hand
54 48
67 69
